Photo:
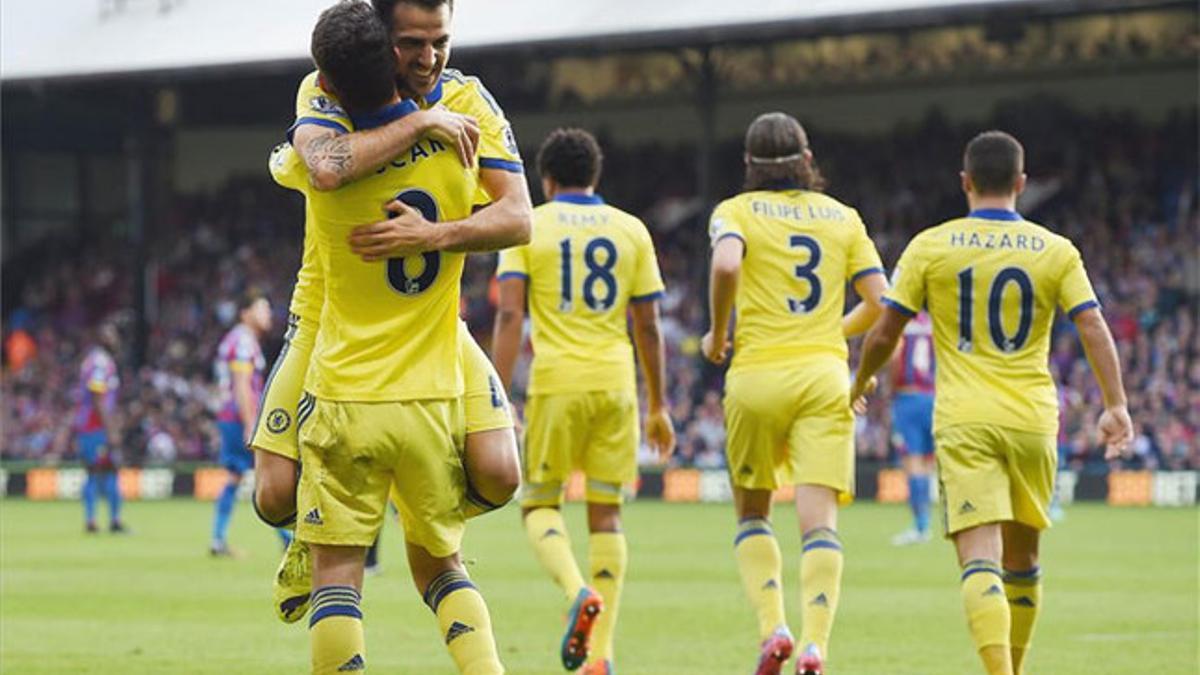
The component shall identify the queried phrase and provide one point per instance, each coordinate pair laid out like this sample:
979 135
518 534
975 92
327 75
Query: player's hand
1116 431
454 129
712 350
859 392
405 233
660 433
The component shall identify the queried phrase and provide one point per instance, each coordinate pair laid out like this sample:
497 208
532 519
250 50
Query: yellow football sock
987 614
1024 591
548 535
608 556
820 582
465 623
761 566
336 631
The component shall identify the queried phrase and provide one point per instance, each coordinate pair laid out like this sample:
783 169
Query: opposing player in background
96 429
337 152
383 404
239 369
912 422
589 264
991 282
783 254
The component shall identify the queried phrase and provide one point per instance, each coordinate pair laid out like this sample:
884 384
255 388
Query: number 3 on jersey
600 256
397 276
807 272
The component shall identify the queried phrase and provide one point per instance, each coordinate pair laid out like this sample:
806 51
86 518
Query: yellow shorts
353 453
993 474
595 431
790 425
275 430
486 406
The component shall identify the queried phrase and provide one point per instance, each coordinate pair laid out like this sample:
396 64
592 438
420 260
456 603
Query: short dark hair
353 51
993 161
571 158
775 148
386 9
250 296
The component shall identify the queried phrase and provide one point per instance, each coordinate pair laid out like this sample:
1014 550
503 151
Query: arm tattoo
330 152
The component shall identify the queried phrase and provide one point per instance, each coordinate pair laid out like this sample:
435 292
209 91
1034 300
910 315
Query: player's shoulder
467 94
312 97
1054 241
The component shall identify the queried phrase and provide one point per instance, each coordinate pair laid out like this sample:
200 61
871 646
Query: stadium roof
74 38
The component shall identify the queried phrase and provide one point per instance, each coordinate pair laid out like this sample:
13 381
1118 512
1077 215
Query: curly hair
571 158
386 9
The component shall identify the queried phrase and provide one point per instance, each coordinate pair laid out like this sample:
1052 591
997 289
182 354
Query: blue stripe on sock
821 543
334 610
817 531
447 590
976 566
750 533
1031 573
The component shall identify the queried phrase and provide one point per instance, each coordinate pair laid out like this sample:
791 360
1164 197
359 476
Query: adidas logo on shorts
356 662
314 517
967 507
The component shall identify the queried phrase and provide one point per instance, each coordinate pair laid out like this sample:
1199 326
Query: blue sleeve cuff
512 275
647 297
1083 306
503 164
862 273
910 313
319 121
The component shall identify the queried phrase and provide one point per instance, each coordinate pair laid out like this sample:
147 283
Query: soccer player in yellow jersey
783 254
991 282
384 387
587 265
456 112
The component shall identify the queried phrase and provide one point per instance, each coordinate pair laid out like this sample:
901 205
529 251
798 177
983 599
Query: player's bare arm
506 334
504 223
651 351
1115 427
335 159
723 285
878 348
859 320
247 402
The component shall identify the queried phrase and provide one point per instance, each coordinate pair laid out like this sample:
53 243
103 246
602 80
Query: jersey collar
781 184
995 214
576 198
431 99
388 113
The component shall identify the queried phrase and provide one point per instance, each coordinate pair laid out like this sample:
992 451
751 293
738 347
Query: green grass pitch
1121 596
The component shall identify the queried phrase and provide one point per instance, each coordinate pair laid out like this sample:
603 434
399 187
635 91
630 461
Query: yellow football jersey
388 329
459 93
801 249
586 262
991 282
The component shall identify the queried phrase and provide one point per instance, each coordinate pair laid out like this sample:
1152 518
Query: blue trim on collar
435 95
388 113
575 198
781 185
995 214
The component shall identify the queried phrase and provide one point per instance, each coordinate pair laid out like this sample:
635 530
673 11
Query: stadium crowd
1127 192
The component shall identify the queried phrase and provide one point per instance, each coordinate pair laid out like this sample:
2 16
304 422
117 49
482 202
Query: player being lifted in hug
783 254
588 265
383 403
991 282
